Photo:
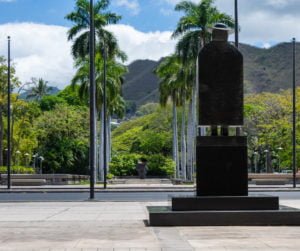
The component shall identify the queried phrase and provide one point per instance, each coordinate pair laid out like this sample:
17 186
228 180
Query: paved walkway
121 226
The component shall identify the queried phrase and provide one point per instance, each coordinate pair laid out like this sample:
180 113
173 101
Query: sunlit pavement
123 226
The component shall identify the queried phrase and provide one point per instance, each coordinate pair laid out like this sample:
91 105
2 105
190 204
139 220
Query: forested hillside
267 70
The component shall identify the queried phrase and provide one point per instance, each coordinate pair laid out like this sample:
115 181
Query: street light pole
8 118
236 17
294 113
92 103
279 149
236 34
267 160
26 159
255 161
104 120
41 158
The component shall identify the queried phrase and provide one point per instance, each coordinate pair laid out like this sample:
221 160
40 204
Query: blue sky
155 15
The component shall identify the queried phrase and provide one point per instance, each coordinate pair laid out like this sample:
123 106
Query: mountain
265 70
141 84
269 70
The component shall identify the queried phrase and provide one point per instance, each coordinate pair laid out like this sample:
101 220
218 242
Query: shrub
159 165
17 170
124 164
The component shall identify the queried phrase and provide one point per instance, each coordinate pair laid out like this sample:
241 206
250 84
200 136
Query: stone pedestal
222 166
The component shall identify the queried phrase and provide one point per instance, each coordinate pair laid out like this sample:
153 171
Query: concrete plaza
122 226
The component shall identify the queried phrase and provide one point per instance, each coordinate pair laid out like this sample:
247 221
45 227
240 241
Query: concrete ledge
269 182
28 182
51 179
164 216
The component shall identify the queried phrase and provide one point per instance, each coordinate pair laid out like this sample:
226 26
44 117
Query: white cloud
265 22
278 3
140 45
132 5
262 22
39 51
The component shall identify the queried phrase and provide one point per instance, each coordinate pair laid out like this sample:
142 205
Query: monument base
224 211
164 216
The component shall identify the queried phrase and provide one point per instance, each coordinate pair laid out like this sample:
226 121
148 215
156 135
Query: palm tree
79 33
192 30
39 90
173 85
168 71
114 81
105 41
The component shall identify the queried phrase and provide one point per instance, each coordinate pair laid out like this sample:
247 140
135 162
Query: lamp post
255 161
92 103
41 158
236 34
236 17
34 161
26 159
8 118
105 120
294 113
18 157
266 165
279 149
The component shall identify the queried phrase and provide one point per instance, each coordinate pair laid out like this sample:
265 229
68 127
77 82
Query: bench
269 182
28 182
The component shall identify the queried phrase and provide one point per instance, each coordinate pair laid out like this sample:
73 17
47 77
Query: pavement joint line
57 213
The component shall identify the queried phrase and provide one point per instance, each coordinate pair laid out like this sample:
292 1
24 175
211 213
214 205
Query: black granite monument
221 159
222 177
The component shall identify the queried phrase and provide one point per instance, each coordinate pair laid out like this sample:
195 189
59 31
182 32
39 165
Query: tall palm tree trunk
101 146
183 140
175 141
190 141
108 140
196 115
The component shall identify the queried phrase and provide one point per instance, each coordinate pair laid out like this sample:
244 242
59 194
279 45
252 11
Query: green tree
48 103
3 97
63 139
70 95
147 137
39 90
24 137
268 126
